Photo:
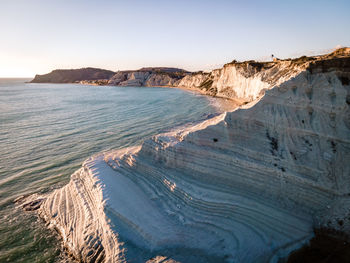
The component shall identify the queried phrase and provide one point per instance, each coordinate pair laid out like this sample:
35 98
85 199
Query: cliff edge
246 186
147 77
246 81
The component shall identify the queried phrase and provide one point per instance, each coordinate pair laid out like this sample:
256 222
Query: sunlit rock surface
244 186
149 77
246 81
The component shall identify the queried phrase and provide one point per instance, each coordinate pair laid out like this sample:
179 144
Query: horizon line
261 59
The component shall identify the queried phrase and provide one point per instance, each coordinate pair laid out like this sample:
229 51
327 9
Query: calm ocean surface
48 130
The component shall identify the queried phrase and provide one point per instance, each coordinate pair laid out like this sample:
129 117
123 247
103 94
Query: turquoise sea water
48 130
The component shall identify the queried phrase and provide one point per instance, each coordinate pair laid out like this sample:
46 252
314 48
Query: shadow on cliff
328 246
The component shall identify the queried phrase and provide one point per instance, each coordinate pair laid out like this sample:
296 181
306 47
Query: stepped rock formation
73 75
245 186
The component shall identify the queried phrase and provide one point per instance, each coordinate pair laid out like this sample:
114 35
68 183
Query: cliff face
246 186
73 75
149 77
246 81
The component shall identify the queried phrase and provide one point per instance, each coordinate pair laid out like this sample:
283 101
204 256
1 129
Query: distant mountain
73 75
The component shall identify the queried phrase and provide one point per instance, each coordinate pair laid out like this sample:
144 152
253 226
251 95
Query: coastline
263 162
223 104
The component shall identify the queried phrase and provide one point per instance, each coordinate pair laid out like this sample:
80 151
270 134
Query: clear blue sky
38 36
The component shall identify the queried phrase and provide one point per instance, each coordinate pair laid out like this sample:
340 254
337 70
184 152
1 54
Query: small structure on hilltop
274 59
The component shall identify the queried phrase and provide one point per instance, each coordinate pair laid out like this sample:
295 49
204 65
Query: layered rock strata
246 81
244 186
148 77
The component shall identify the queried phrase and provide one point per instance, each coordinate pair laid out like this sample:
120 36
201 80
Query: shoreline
224 104
260 173
221 103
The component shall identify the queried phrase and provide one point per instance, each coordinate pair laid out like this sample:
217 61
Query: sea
48 130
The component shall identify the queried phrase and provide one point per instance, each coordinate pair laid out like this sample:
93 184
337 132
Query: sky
37 36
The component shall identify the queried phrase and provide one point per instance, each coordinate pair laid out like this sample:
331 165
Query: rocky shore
249 185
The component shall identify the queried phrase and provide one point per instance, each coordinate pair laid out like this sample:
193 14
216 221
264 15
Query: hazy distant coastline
148 77
222 82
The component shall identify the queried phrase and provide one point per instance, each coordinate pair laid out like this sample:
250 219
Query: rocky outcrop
76 211
148 77
73 75
245 186
98 82
195 80
246 81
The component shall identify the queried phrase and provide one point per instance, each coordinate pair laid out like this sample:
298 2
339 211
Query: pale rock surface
148 77
193 81
160 80
244 81
244 186
135 79
77 212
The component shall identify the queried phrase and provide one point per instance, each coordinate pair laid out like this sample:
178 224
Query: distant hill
148 76
73 75
163 70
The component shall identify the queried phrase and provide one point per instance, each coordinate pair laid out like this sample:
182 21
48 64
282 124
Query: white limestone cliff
148 77
245 186
244 81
